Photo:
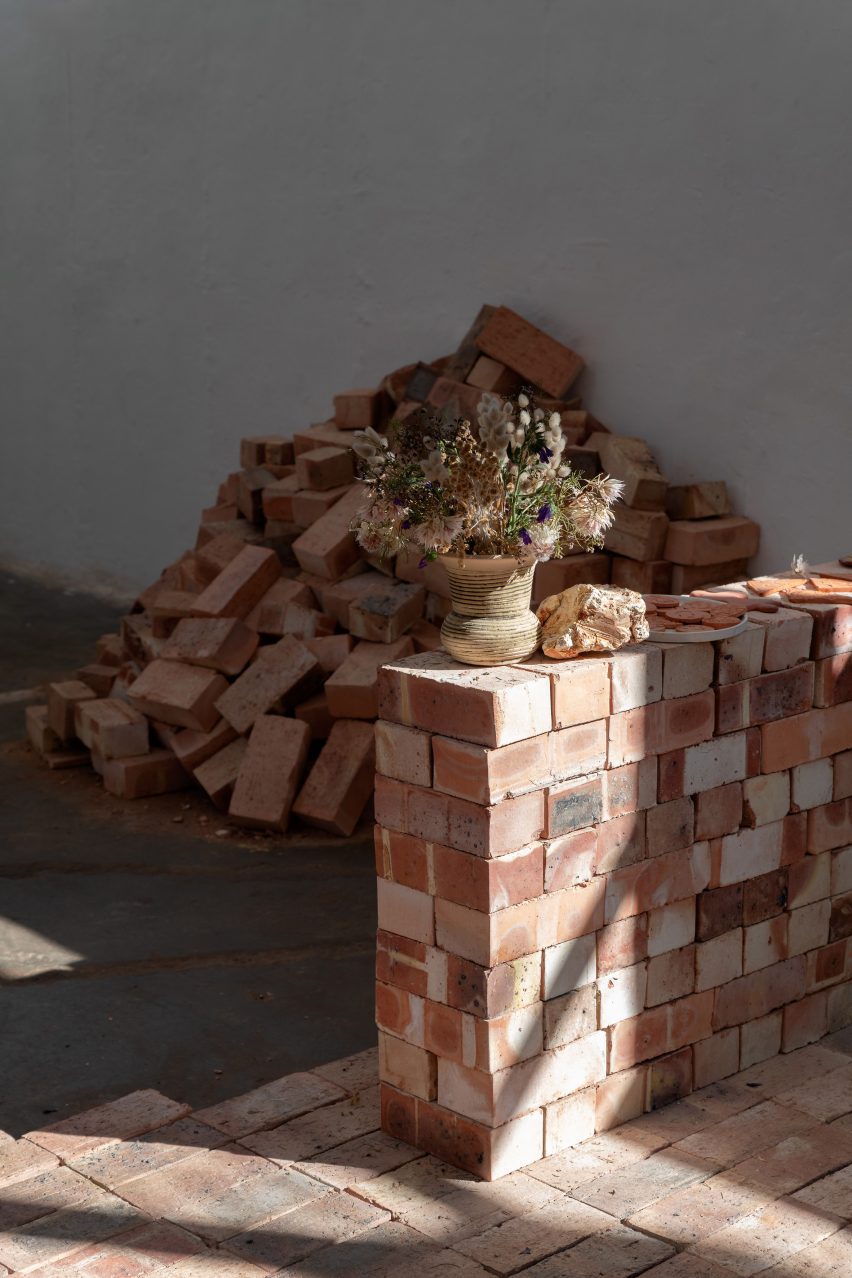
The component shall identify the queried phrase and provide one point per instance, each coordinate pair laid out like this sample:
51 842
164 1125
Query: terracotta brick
718 811
765 943
711 541
637 676
489 832
535 356
283 674
670 775
578 750
352 690
740 657
760 1039
832 628
406 912
123 1119
217 775
574 805
670 826
716 1057
572 912
328 547
809 880
403 753
620 1097
356 409
570 859
402 962
62 700
671 1026
830 826
804 1021
764 896
630 788
555 575
637 534
766 798
833 680
751 852
141 776
112 728
657 882
308 505
687 668
240 584
569 966
278 498
505 1040
671 975
781 694
225 644
570 1016
487 1152
215 555
329 650
491 707
671 927
759 993
339 784
178 694
318 435
488 885
669 1079
279 619
409 1068
286 590
827 964
843 775
485 775
269 773
449 1033
732 708
580 688
404 859
325 467
811 784
808 927
487 940
787 638
719 960
623 944
99 678
651 578
400 1013
192 748
492 991
621 842
384 615
841 870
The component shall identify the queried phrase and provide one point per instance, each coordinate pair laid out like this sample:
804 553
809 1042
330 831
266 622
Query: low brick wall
604 883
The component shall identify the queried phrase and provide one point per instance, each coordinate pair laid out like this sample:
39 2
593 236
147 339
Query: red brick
142 775
41 736
240 585
308 505
225 644
671 768
279 498
670 826
830 826
283 674
489 706
669 1079
577 750
833 680
400 1013
805 1021
719 911
620 842
580 688
781 694
492 991
319 435
555 575
488 885
630 788
216 554
283 591
660 881
653 578
404 859
740 657
787 637
637 676
832 632
112 728
384 614
718 811
326 467
573 912
255 450
485 776
330 651
281 619
534 355
403 753
623 944
340 783
270 772
353 688
407 1067
356 409
401 961
732 707
99 678
574 805
176 693
764 896
490 832
328 547
62 699
637 534
759 993
217 774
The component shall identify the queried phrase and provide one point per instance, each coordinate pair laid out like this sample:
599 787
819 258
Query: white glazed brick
671 927
687 668
714 763
622 994
766 798
808 927
637 676
719 960
740 657
812 784
841 871
569 966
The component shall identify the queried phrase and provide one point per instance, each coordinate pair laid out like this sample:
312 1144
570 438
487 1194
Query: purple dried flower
525 537
545 454
397 501
544 514
406 523
422 563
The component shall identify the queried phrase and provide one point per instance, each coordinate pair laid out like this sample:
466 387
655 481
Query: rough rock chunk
591 619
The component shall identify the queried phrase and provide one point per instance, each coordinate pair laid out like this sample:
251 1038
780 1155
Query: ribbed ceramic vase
491 621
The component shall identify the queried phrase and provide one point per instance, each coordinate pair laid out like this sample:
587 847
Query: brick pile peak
277 613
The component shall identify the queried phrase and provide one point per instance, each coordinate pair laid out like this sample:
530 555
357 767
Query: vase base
491 641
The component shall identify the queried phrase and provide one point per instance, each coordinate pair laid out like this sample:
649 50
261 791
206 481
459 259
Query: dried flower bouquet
436 485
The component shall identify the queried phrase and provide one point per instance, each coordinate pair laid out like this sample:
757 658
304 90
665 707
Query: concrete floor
139 947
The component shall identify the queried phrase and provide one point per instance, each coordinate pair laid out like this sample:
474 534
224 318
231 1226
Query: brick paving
749 1176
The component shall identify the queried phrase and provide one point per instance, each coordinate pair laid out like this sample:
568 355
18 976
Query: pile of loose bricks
606 882
249 668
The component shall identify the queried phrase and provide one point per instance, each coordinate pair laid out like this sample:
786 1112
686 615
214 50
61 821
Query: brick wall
604 883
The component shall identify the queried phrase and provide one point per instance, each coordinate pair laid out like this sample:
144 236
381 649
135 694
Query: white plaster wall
216 212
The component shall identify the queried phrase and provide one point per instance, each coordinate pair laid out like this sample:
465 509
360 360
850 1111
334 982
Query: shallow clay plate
693 636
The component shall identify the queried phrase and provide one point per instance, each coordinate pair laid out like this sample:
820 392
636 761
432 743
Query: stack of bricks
277 613
607 882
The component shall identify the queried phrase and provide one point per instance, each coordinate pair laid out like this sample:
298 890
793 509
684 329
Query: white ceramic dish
695 636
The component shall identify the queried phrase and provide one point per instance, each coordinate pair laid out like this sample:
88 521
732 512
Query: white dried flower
554 421
433 467
523 401
800 566
524 417
539 414
439 532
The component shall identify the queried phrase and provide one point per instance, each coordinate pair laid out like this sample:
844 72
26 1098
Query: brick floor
749 1176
